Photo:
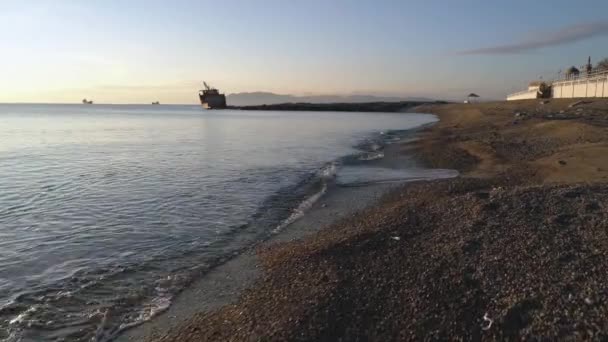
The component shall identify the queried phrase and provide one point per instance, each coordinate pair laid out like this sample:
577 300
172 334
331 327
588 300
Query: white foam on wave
24 316
326 173
301 209
371 156
153 308
159 303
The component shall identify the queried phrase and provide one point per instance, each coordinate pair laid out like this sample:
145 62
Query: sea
107 212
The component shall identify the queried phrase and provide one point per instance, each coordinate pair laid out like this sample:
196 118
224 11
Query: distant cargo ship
211 98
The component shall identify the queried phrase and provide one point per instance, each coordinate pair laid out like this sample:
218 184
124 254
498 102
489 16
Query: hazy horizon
257 98
111 52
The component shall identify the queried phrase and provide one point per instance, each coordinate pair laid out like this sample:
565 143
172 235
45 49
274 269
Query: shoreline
514 248
225 283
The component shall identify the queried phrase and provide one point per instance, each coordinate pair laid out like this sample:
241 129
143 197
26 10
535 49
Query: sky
115 51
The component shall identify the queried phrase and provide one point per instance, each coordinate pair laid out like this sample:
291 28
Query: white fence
524 95
594 84
587 85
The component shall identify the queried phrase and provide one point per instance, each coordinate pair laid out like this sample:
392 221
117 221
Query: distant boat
211 98
85 101
155 103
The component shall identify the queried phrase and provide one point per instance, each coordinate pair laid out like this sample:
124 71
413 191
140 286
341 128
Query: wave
371 156
328 172
368 150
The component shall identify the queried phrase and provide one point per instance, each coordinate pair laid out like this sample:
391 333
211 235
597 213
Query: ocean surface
108 211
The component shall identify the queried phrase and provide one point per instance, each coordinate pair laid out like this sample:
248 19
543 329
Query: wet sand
517 247
225 283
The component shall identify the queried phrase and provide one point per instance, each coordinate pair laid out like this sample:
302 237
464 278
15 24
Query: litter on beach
487 322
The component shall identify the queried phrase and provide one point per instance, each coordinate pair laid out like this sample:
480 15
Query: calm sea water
106 212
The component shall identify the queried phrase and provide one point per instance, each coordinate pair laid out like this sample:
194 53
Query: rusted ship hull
213 101
211 98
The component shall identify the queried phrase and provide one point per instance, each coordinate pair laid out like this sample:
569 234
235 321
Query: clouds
561 36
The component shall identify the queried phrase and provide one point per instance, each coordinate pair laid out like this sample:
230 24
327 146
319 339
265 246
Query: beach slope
517 247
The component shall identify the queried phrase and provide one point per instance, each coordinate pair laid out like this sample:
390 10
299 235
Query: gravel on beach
516 248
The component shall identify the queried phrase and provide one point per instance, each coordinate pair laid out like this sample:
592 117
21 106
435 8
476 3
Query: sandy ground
516 248
523 140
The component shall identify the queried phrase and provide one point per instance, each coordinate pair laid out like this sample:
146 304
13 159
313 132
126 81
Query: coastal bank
386 107
516 247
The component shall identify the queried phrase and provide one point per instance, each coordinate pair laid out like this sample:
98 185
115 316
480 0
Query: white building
534 92
574 84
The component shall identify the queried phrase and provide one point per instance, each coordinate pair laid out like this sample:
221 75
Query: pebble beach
513 248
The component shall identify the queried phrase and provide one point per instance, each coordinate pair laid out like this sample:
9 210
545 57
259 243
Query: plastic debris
487 322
